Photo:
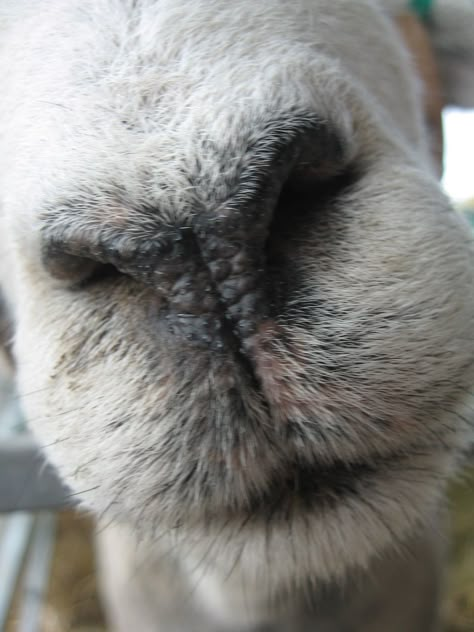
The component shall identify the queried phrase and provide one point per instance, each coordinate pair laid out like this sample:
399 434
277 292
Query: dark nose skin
209 274
221 291
212 282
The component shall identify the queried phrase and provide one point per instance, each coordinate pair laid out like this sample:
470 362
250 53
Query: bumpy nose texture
237 274
219 295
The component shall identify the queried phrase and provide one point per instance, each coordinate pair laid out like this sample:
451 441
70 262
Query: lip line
336 481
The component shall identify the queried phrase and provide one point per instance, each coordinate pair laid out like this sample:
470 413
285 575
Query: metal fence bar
36 574
16 533
27 481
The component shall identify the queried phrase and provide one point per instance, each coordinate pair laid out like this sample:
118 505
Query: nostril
74 269
81 255
88 256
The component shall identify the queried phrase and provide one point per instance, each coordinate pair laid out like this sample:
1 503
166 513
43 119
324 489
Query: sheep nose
208 272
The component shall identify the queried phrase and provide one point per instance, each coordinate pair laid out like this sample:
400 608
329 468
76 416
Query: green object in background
422 7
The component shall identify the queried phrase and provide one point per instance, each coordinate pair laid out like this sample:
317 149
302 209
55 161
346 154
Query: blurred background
458 178
47 573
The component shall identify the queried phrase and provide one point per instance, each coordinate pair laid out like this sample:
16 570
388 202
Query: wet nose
209 273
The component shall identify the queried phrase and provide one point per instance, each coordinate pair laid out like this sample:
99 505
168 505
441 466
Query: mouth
315 485
315 488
